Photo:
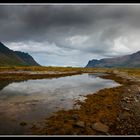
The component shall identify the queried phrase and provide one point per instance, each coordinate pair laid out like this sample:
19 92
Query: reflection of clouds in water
36 99
54 90
91 76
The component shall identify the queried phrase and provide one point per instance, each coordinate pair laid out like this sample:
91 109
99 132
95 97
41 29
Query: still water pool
33 100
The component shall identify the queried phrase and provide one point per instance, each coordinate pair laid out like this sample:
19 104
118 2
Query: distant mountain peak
132 60
137 52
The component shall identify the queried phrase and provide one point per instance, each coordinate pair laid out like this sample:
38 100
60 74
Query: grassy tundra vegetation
35 72
39 72
113 111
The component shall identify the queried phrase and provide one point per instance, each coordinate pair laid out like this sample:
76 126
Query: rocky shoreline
113 111
128 119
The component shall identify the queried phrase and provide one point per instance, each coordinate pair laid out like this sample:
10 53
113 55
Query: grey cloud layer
65 25
38 21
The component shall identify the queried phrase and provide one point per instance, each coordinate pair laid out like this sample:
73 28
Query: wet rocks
98 126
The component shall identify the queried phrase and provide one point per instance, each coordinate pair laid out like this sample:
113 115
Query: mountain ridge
131 60
9 57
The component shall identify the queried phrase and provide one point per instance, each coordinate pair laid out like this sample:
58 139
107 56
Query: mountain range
128 61
9 57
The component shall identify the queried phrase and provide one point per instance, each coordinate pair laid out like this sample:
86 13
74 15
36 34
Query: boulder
80 124
98 126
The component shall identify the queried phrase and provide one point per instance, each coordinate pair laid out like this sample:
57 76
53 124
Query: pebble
118 119
129 89
80 124
98 126
136 99
127 109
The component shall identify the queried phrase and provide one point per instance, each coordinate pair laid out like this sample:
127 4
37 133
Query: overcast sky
71 35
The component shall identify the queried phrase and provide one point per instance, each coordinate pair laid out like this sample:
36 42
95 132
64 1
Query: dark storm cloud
36 21
96 30
23 22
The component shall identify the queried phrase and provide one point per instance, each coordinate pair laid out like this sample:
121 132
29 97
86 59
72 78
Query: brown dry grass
102 106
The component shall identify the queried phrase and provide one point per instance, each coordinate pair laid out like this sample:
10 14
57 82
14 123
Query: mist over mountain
132 60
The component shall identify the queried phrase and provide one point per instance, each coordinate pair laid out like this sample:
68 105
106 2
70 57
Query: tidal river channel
33 100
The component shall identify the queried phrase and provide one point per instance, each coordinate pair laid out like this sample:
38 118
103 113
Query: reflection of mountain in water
4 83
91 75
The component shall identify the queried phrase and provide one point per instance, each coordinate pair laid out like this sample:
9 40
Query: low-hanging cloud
71 34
